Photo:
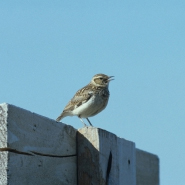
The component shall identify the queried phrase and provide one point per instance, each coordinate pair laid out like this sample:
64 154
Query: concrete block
40 151
35 149
104 158
147 168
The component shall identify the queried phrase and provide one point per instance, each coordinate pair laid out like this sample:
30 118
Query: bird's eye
101 78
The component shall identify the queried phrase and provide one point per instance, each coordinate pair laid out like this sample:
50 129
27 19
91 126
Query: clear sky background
50 49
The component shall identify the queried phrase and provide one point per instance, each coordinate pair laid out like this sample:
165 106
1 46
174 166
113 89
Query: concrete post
104 158
40 151
147 168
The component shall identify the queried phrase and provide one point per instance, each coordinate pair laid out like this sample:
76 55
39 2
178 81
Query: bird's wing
81 97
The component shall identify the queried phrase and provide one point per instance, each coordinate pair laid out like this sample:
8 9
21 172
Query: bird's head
101 80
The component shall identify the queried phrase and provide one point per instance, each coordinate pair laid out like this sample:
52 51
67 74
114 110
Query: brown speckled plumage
90 100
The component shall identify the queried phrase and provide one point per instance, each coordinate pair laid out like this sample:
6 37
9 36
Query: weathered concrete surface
37 150
33 146
147 168
18 169
104 158
26 131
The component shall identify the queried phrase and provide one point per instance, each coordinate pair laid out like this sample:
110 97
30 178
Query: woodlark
90 100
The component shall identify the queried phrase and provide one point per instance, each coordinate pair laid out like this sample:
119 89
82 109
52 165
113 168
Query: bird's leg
89 122
82 121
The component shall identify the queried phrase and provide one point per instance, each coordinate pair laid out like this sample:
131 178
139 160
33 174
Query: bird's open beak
110 78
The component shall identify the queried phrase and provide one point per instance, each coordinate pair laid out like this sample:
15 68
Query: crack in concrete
109 165
32 153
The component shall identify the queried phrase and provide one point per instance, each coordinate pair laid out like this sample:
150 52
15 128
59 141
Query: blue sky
50 49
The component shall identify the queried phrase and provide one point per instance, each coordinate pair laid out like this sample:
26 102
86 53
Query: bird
89 100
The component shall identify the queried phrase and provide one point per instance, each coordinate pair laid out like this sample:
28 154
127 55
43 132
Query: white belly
92 107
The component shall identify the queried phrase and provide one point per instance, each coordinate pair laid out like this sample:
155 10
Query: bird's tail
62 115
